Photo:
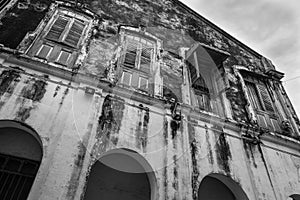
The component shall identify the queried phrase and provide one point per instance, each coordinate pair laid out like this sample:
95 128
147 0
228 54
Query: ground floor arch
220 187
121 174
21 153
295 197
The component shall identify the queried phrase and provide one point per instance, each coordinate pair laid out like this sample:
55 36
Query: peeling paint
223 152
35 90
8 81
56 90
109 122
166 130
209 147
250 152
195 170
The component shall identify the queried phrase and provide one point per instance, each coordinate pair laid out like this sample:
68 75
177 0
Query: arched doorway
20 158
121 174
220 187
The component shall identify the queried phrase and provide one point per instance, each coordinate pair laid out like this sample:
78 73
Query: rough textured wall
77 128
177 28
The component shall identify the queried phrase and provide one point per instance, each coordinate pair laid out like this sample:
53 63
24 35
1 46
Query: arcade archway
20 157
217 187
121 174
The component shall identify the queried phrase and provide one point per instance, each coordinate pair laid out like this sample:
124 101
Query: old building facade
128 99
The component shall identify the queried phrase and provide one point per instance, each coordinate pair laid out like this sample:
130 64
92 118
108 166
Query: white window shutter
57 28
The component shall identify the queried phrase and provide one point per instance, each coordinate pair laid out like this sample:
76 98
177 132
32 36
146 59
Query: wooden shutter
63 57
130 54
57 28
44 51
265 98
261 101
126 78
143 84
146 54
254 96
75 33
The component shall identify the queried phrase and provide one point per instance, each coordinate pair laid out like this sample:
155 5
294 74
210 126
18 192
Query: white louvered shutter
57 28
75 33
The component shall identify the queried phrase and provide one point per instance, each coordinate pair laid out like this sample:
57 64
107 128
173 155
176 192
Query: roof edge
190 10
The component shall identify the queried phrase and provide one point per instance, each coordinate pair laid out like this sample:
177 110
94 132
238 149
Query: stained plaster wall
73 124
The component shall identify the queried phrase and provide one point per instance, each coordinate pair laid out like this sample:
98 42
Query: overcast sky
270 27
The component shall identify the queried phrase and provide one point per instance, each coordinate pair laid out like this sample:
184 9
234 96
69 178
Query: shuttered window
136 59
259 97
66 30
261 101
130 54
126 78
265 97
143 83
75 33
146 53
63 57
44 51
254 96
58 28
202 94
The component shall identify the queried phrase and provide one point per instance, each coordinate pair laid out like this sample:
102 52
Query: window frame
48 54
147 83
59 55
140 44
268 119
130 79
67 28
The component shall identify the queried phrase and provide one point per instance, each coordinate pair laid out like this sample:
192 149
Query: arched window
206 71
20 158
121 174
217 187
294 197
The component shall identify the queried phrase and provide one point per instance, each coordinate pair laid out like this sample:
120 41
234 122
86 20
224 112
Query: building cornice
196 14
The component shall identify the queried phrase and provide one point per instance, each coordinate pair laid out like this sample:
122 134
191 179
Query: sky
270 27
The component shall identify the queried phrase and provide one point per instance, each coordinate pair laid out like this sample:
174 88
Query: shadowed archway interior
20 158
118 176
220 187
213 189
295 196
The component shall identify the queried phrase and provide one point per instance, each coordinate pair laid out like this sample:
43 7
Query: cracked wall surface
83 114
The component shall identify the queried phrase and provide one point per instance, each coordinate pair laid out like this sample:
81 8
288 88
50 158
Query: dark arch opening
295 197
20 157
121 174
218 186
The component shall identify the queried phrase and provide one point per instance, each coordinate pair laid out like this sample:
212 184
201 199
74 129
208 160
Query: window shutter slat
130 55
265 98
254 98
57 28
75 33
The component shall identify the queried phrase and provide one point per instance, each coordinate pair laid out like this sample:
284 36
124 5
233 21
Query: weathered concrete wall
77 128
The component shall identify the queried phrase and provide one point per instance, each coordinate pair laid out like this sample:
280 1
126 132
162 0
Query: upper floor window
62 38
261 100
207 85
67 30
138 53
137 60
44 51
